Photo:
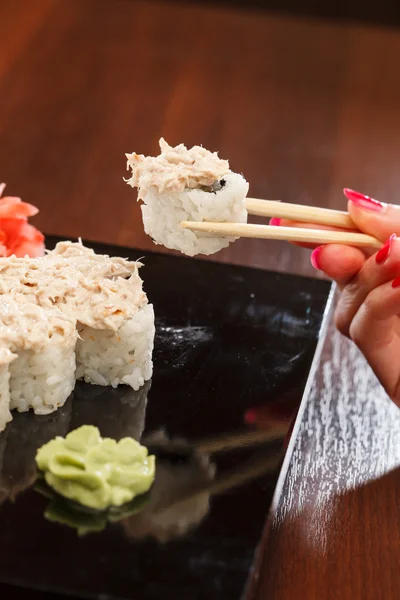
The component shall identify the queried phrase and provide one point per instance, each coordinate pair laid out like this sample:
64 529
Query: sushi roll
42 372
71 314
115 322
6 357
104 296
187 185
120 356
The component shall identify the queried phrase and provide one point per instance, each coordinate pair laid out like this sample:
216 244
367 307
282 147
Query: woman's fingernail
384 253
315 255
396 282
363 201
275 221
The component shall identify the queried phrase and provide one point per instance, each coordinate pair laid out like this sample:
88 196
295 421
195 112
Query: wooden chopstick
298 212
289 234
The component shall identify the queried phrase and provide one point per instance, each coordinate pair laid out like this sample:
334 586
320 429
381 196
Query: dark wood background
385 12
302 108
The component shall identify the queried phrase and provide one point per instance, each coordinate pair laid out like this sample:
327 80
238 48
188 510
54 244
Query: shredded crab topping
175 169
27 326
47 296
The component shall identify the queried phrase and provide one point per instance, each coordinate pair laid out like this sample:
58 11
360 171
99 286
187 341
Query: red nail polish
275 221
363 201
396 282
384 253
315 254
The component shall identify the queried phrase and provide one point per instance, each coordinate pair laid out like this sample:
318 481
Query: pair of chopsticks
293 212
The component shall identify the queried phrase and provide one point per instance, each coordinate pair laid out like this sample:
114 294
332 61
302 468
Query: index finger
300 225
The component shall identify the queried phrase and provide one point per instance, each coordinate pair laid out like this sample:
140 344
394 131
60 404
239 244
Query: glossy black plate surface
232 355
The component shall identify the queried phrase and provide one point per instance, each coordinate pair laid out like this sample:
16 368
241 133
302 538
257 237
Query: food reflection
172 509
3 443
63 511
21 440
186 481
117 412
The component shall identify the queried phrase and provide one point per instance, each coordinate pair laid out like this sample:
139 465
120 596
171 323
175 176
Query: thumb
373 217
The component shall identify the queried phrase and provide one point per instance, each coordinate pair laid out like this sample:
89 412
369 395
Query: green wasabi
94 471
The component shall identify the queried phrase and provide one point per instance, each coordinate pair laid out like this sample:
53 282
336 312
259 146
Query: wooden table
302 108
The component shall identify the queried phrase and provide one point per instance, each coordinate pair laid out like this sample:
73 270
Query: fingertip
314 258
363 201
375 218
338 262
275 221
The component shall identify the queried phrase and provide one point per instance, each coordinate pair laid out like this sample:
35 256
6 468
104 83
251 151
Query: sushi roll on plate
187 185
41 368
71 314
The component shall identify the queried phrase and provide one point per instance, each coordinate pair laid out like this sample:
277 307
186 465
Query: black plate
232 354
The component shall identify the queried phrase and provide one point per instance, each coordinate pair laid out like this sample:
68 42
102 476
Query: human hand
369 303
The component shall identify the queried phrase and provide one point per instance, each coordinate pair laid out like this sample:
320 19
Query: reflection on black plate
117 413
180 496
233 347
20 442
66 512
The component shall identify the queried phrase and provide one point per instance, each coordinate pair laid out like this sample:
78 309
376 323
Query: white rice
162 214
106 357
42 380
5 414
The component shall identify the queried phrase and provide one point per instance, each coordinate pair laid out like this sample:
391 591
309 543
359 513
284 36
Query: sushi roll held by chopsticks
194 203
187 185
